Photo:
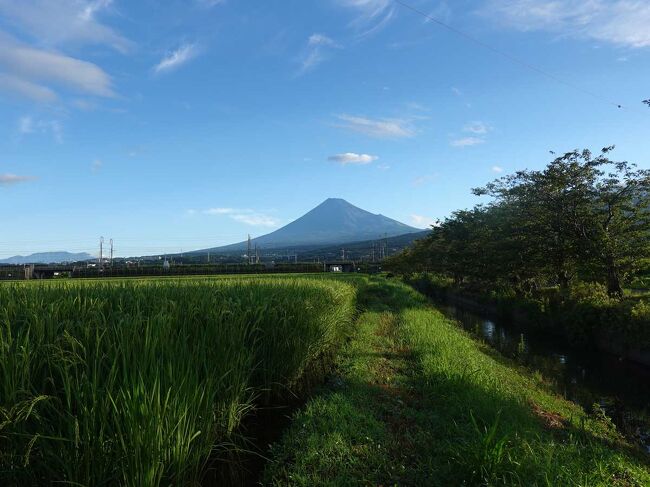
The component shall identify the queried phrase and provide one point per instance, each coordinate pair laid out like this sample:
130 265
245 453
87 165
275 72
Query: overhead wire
522 63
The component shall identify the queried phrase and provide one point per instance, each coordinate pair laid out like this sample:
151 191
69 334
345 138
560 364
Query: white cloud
28 66
321 40
422 180
316 51
478 128
9 179
497 169
441 12
256 220
620 22
176 58
28 125
373 15
221 211
383 167
26 89
353 158
64 22
247 216
467 141
421 221
25 125
384 128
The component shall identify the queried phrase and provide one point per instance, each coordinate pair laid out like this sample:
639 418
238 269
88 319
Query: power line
506 55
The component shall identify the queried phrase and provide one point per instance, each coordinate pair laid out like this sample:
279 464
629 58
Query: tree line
583 217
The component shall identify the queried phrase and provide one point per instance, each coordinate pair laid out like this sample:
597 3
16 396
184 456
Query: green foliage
419 402
583 216
140 382
593 293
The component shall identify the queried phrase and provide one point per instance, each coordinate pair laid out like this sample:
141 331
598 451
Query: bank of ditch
416 401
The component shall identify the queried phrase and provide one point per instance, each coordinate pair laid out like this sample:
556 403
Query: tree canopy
583 216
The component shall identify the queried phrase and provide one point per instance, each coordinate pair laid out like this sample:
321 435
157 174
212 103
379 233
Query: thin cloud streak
177 58
316 51
28 67
467 142
11 179
245 215
372 15
26 89
620 22
353 158
383 128
64 22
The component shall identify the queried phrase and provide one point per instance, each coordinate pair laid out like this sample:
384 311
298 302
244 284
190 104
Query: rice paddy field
154 382
145 382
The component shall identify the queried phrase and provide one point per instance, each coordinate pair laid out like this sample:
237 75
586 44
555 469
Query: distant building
340 266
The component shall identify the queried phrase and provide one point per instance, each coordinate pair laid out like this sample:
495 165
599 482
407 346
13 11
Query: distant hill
395 243
361 250
47 258
335 221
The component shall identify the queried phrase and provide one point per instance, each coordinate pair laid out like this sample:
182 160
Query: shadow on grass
442 428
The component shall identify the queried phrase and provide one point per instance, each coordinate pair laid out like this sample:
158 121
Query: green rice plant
142 382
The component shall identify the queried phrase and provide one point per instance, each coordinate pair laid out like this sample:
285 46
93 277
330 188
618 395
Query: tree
582 215
615 227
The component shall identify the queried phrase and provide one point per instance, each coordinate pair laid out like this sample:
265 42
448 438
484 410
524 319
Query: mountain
47 258
335 221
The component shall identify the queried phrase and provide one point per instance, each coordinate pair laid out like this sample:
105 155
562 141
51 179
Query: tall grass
141 382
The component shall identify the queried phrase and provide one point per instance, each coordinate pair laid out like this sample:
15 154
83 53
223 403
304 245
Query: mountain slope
46 258
334 221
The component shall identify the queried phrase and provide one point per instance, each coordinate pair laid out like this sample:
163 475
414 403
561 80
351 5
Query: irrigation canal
620 387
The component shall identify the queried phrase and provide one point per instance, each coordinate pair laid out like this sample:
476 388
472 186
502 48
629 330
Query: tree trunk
614 288
563 280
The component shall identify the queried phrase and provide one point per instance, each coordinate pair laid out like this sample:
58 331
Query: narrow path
415 401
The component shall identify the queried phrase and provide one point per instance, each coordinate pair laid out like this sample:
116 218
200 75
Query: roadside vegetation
416 401
568 245
146 382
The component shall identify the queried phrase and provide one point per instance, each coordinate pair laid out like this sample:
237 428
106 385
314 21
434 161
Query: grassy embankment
417 401
145 382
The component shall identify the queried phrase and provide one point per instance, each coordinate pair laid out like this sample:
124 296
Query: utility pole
383 243
111 261
248 251
208 257
343 254
101 250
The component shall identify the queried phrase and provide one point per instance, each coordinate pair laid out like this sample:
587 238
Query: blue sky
175 125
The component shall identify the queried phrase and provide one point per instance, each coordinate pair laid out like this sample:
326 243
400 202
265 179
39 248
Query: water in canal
620 387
